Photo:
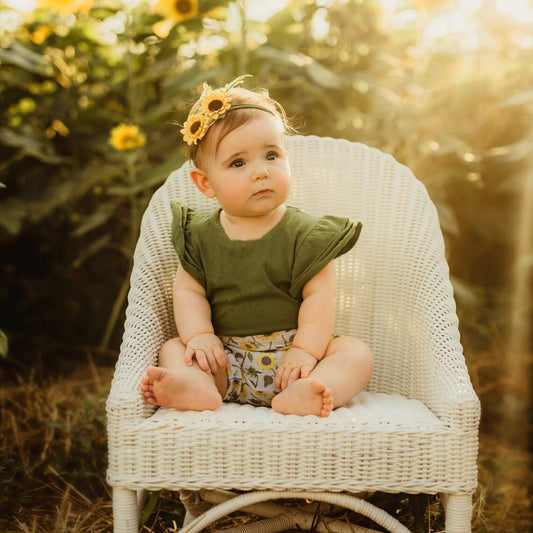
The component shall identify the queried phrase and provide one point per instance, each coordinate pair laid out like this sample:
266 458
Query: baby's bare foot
182 390
304 397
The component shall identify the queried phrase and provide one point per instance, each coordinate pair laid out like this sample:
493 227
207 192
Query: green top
256 286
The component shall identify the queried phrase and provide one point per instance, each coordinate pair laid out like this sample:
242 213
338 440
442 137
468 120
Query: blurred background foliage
91 92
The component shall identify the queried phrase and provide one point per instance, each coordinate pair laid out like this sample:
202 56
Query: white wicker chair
415 428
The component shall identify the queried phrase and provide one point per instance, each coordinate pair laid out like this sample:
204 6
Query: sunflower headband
212 105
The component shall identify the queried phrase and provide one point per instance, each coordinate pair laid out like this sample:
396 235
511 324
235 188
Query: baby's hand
296 364
208 351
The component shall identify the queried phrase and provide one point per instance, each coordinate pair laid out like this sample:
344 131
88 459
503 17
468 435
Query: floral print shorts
253 362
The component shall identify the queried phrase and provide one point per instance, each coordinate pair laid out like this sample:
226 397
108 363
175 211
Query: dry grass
53 459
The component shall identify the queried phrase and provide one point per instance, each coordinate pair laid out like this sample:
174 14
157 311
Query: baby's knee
366 352
359 353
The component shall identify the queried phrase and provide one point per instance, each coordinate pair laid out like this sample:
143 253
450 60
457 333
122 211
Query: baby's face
249 173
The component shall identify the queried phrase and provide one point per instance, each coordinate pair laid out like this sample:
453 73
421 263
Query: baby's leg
337 378
174 384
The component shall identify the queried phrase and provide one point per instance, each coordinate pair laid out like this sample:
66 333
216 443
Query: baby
254 293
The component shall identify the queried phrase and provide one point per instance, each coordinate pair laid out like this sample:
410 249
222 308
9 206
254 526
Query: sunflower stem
243 51
131 177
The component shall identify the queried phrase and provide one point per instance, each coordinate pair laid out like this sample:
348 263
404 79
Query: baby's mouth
263 192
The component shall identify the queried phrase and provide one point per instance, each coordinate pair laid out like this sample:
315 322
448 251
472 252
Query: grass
53 457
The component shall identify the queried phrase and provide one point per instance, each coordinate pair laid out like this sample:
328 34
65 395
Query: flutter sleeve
330 238
183 239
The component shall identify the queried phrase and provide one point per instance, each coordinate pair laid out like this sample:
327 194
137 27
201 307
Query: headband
213 105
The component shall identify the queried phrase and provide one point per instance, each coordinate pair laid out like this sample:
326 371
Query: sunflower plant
126 137
178 10
90 95
66 7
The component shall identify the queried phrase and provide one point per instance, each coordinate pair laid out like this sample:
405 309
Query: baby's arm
193 321
316 319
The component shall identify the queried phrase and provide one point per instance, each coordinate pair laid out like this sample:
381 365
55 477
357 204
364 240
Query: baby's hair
235 118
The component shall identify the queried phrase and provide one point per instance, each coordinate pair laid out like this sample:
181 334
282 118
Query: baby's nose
260 171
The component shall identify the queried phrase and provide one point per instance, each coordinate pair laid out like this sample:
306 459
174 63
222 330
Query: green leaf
4 345
96 219
469 294
26 59
190 79
318 73
512 153
31 145
12 214
93 249
149 508
147 178
322 76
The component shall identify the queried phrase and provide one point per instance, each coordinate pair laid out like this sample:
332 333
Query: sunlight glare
262 11
521 10
24 6
453 23
460 22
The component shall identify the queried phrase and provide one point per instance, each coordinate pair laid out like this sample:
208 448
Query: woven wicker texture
414 429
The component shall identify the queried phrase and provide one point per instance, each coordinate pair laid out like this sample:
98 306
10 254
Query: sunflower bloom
126 137
41 34
267 361
247 345
194 129
66 7
177 10
215 104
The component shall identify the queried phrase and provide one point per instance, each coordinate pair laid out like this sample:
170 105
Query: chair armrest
149 315
448 389
454 400
149 323
142 341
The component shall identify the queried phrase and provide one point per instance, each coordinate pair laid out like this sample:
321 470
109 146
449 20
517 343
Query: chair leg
458 510
125 511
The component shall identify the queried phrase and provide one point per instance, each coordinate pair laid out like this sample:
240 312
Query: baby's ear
202 182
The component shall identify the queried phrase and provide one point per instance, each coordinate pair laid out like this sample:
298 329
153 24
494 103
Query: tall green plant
67 80
459 117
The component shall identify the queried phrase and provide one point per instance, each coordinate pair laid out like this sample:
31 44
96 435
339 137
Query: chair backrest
394 290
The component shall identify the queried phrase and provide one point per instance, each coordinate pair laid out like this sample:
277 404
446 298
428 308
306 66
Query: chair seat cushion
381 412
377 442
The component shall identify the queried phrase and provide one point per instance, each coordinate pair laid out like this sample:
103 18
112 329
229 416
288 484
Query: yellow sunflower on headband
194 128
215 104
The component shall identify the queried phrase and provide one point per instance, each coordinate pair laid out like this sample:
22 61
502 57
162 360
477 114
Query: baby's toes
327 402
327 407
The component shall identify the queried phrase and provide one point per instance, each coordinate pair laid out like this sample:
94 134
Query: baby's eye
238 163
271 156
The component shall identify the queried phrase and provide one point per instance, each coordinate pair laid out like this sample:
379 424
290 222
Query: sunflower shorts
253 362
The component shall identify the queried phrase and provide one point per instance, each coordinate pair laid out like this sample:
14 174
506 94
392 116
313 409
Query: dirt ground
53 458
